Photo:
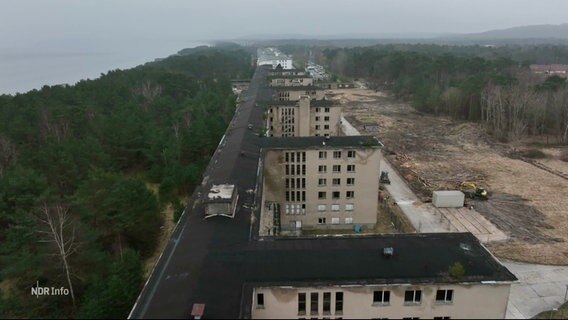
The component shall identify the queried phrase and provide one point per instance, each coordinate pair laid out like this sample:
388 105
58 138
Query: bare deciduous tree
61 232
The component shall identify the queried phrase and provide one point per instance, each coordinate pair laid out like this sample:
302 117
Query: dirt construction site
528 199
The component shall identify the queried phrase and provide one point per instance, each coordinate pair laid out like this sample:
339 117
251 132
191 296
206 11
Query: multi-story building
290 80
303 118
401 276
274 58
286 72
293 93
319 182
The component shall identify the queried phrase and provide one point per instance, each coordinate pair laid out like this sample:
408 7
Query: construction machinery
473 191
384 177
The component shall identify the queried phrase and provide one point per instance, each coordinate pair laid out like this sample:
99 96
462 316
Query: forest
86 171
490 85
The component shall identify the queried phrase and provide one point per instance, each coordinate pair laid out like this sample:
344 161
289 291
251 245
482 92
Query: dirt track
528 203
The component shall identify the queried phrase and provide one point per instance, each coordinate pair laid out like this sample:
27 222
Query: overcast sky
25 22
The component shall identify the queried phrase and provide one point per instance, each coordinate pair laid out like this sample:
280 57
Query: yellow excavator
472 191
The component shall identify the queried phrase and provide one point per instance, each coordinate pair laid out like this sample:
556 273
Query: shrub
534 154
456 270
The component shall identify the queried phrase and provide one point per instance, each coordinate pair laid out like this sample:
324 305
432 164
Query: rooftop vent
465 246
327 137
388 252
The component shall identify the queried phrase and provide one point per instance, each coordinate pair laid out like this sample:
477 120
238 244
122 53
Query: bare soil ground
529 203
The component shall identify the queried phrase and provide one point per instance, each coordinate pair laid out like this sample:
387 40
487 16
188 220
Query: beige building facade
321 182
393 301
303 118
294 93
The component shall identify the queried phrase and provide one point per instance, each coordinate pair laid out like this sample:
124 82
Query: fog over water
23 69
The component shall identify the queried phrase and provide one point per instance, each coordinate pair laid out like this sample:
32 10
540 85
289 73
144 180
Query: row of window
325 127
379 297
337 154
326 118
298 208
336 195
293 196
292 183
326 110
295 156
291 169
335 207
336 168
324 220
382 297
335 182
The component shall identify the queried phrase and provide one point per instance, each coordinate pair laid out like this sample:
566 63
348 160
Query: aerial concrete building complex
274 58
220 262
303 118
320 182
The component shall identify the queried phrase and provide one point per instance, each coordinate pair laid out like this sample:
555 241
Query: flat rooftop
295 88
221 192
319 142
289 76
292 103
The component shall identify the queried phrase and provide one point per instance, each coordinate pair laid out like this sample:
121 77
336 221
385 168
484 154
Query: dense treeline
76 165
499 91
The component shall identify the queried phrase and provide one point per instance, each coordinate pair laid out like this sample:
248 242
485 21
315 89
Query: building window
301 303
336 154
334 220
336 168
326 110
260 300
317 109
321 195
335 195
326 127
412 296
323 154
338 302
303 179
350 168
334 207
317 126
303 157
322 182
287 195
350 181
444 296
292 157
317 118
349 207
304 169
336 181
287 169
351 154
326 118
314 296
327 302
321 207
350 194
381 297
321 220
322 169
287 156
348 220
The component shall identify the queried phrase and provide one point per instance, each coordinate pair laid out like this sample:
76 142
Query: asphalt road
176 281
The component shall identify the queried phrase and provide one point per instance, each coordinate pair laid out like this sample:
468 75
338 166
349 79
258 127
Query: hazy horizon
62 41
